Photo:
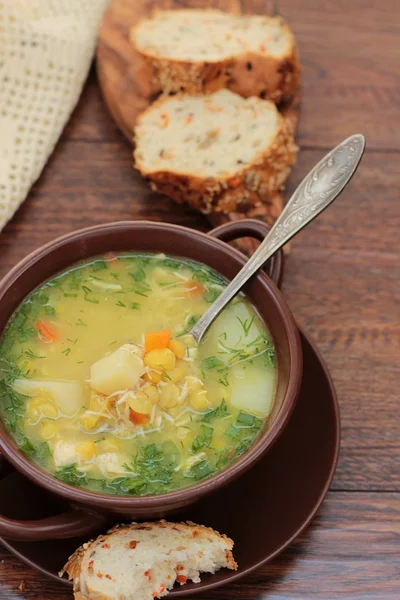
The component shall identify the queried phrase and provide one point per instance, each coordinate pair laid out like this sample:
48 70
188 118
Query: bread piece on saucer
218 153
144 560
201 51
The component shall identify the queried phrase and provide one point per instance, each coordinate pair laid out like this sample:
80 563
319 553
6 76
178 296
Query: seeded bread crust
252 74
253 185
74 564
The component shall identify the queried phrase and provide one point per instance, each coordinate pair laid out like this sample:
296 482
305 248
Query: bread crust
275 78
73 567
250 186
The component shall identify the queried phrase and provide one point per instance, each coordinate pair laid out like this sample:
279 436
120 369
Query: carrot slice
137 418
47 331
157 340
160 591
181 578
194 288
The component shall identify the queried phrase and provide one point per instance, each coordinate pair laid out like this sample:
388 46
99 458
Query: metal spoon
315 193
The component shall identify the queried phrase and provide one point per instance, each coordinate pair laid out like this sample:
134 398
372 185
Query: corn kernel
193 383
174 375
49 430
38 401
33 413
169 396
87 450
153 376
88 421
162 360
140 403
39 406
199 400
177 348
49 410
109 445
151 392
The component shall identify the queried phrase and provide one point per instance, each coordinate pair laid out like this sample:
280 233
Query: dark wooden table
341 282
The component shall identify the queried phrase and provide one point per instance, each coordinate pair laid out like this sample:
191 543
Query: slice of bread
218 153
142 561
201 51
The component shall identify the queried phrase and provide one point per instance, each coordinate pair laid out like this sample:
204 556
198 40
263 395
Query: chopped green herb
81 323
200 470
170 263
232 431
100 440
212 362
153 468
30 354
71 475
27 447
119 303
49 311
226 455
43 452
135 305
124 486
138 275
212 294
203 440
243 445
66 351
224 380
246 419
99 265
217 413
192 321
246 325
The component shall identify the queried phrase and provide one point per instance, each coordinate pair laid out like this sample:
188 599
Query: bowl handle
72 523
234 230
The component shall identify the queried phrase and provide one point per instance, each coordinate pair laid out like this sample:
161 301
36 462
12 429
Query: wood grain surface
341 281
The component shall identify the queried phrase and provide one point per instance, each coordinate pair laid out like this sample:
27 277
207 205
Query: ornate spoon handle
315 193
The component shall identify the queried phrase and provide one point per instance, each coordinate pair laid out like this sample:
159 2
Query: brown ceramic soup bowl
87 511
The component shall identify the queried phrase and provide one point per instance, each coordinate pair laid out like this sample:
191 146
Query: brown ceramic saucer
257 510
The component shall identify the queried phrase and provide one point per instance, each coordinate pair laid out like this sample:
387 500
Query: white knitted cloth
46 47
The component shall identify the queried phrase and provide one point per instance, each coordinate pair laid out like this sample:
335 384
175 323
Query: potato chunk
253 391
66 395
120 370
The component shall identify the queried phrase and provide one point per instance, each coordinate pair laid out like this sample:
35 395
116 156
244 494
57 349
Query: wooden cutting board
125 80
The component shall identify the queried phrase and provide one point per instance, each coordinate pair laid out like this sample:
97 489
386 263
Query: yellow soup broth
102 385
